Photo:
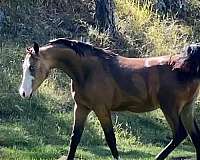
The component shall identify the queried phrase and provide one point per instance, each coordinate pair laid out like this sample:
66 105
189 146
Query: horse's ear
36 48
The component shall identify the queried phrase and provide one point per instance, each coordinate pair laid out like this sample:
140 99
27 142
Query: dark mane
83 49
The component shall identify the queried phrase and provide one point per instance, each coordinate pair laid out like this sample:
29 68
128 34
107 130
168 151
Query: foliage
147 32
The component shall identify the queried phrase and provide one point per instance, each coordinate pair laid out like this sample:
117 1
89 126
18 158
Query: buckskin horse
103 81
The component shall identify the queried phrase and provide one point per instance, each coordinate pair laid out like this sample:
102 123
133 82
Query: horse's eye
31 68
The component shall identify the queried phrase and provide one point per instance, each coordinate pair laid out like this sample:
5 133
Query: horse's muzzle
24 95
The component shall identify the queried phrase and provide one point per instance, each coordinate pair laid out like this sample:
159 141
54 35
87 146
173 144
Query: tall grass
149 33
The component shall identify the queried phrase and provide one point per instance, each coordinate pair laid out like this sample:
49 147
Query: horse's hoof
62 158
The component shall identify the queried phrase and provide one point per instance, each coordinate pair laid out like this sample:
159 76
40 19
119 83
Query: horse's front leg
80 116
104 117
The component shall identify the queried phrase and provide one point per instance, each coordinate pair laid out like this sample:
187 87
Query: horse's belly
140 109
137 105
136 109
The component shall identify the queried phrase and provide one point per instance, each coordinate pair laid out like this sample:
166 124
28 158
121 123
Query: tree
105 16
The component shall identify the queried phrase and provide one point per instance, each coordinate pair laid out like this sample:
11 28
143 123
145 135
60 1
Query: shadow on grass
146 129
105 152
136 154
33 123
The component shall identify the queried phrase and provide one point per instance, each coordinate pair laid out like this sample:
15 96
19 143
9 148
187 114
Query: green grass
87 152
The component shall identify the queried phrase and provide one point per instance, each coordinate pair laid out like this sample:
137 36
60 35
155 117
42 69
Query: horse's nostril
23 94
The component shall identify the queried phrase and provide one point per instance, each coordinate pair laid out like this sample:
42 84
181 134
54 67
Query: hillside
40 128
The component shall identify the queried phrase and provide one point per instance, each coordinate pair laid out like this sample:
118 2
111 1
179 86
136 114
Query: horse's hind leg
192 128
179 135
179 132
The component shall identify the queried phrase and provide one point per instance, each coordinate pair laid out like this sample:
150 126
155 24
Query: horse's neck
69 62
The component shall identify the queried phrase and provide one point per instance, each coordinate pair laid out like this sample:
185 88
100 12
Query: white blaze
26 85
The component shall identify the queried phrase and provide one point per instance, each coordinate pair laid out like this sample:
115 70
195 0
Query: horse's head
190 61
35 71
